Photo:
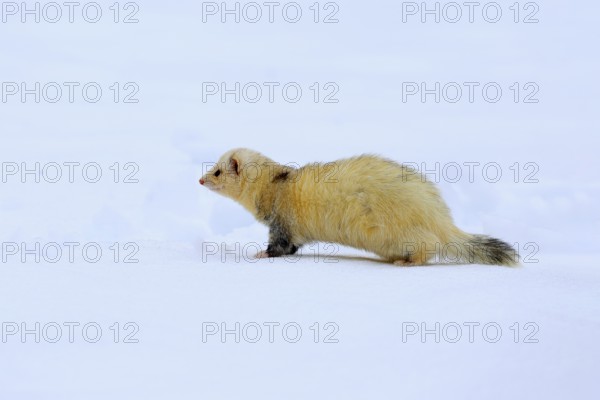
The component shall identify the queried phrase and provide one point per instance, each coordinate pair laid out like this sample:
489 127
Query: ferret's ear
234 165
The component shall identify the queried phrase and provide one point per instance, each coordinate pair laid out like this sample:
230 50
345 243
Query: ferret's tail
481 249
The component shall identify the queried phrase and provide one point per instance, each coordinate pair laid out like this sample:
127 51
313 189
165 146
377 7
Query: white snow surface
535 327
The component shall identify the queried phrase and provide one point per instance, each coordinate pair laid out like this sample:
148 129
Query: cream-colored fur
365 202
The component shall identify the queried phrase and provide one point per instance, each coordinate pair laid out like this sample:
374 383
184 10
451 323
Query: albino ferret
366 202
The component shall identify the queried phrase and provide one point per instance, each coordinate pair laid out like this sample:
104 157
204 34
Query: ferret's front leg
280 242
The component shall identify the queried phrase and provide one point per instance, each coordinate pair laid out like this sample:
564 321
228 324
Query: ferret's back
370 193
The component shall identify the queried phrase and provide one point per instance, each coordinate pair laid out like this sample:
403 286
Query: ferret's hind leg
409 260
404 262
416 247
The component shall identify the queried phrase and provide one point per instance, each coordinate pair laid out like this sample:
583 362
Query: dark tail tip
489 250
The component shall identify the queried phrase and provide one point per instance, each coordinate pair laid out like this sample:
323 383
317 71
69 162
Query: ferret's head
234 170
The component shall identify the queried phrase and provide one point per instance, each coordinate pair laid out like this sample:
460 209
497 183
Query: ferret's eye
218 172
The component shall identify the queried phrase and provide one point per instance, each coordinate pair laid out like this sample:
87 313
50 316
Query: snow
194 270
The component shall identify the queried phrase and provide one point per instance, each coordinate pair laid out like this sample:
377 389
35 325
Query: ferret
366 202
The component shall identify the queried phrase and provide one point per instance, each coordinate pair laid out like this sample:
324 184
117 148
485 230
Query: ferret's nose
201 181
